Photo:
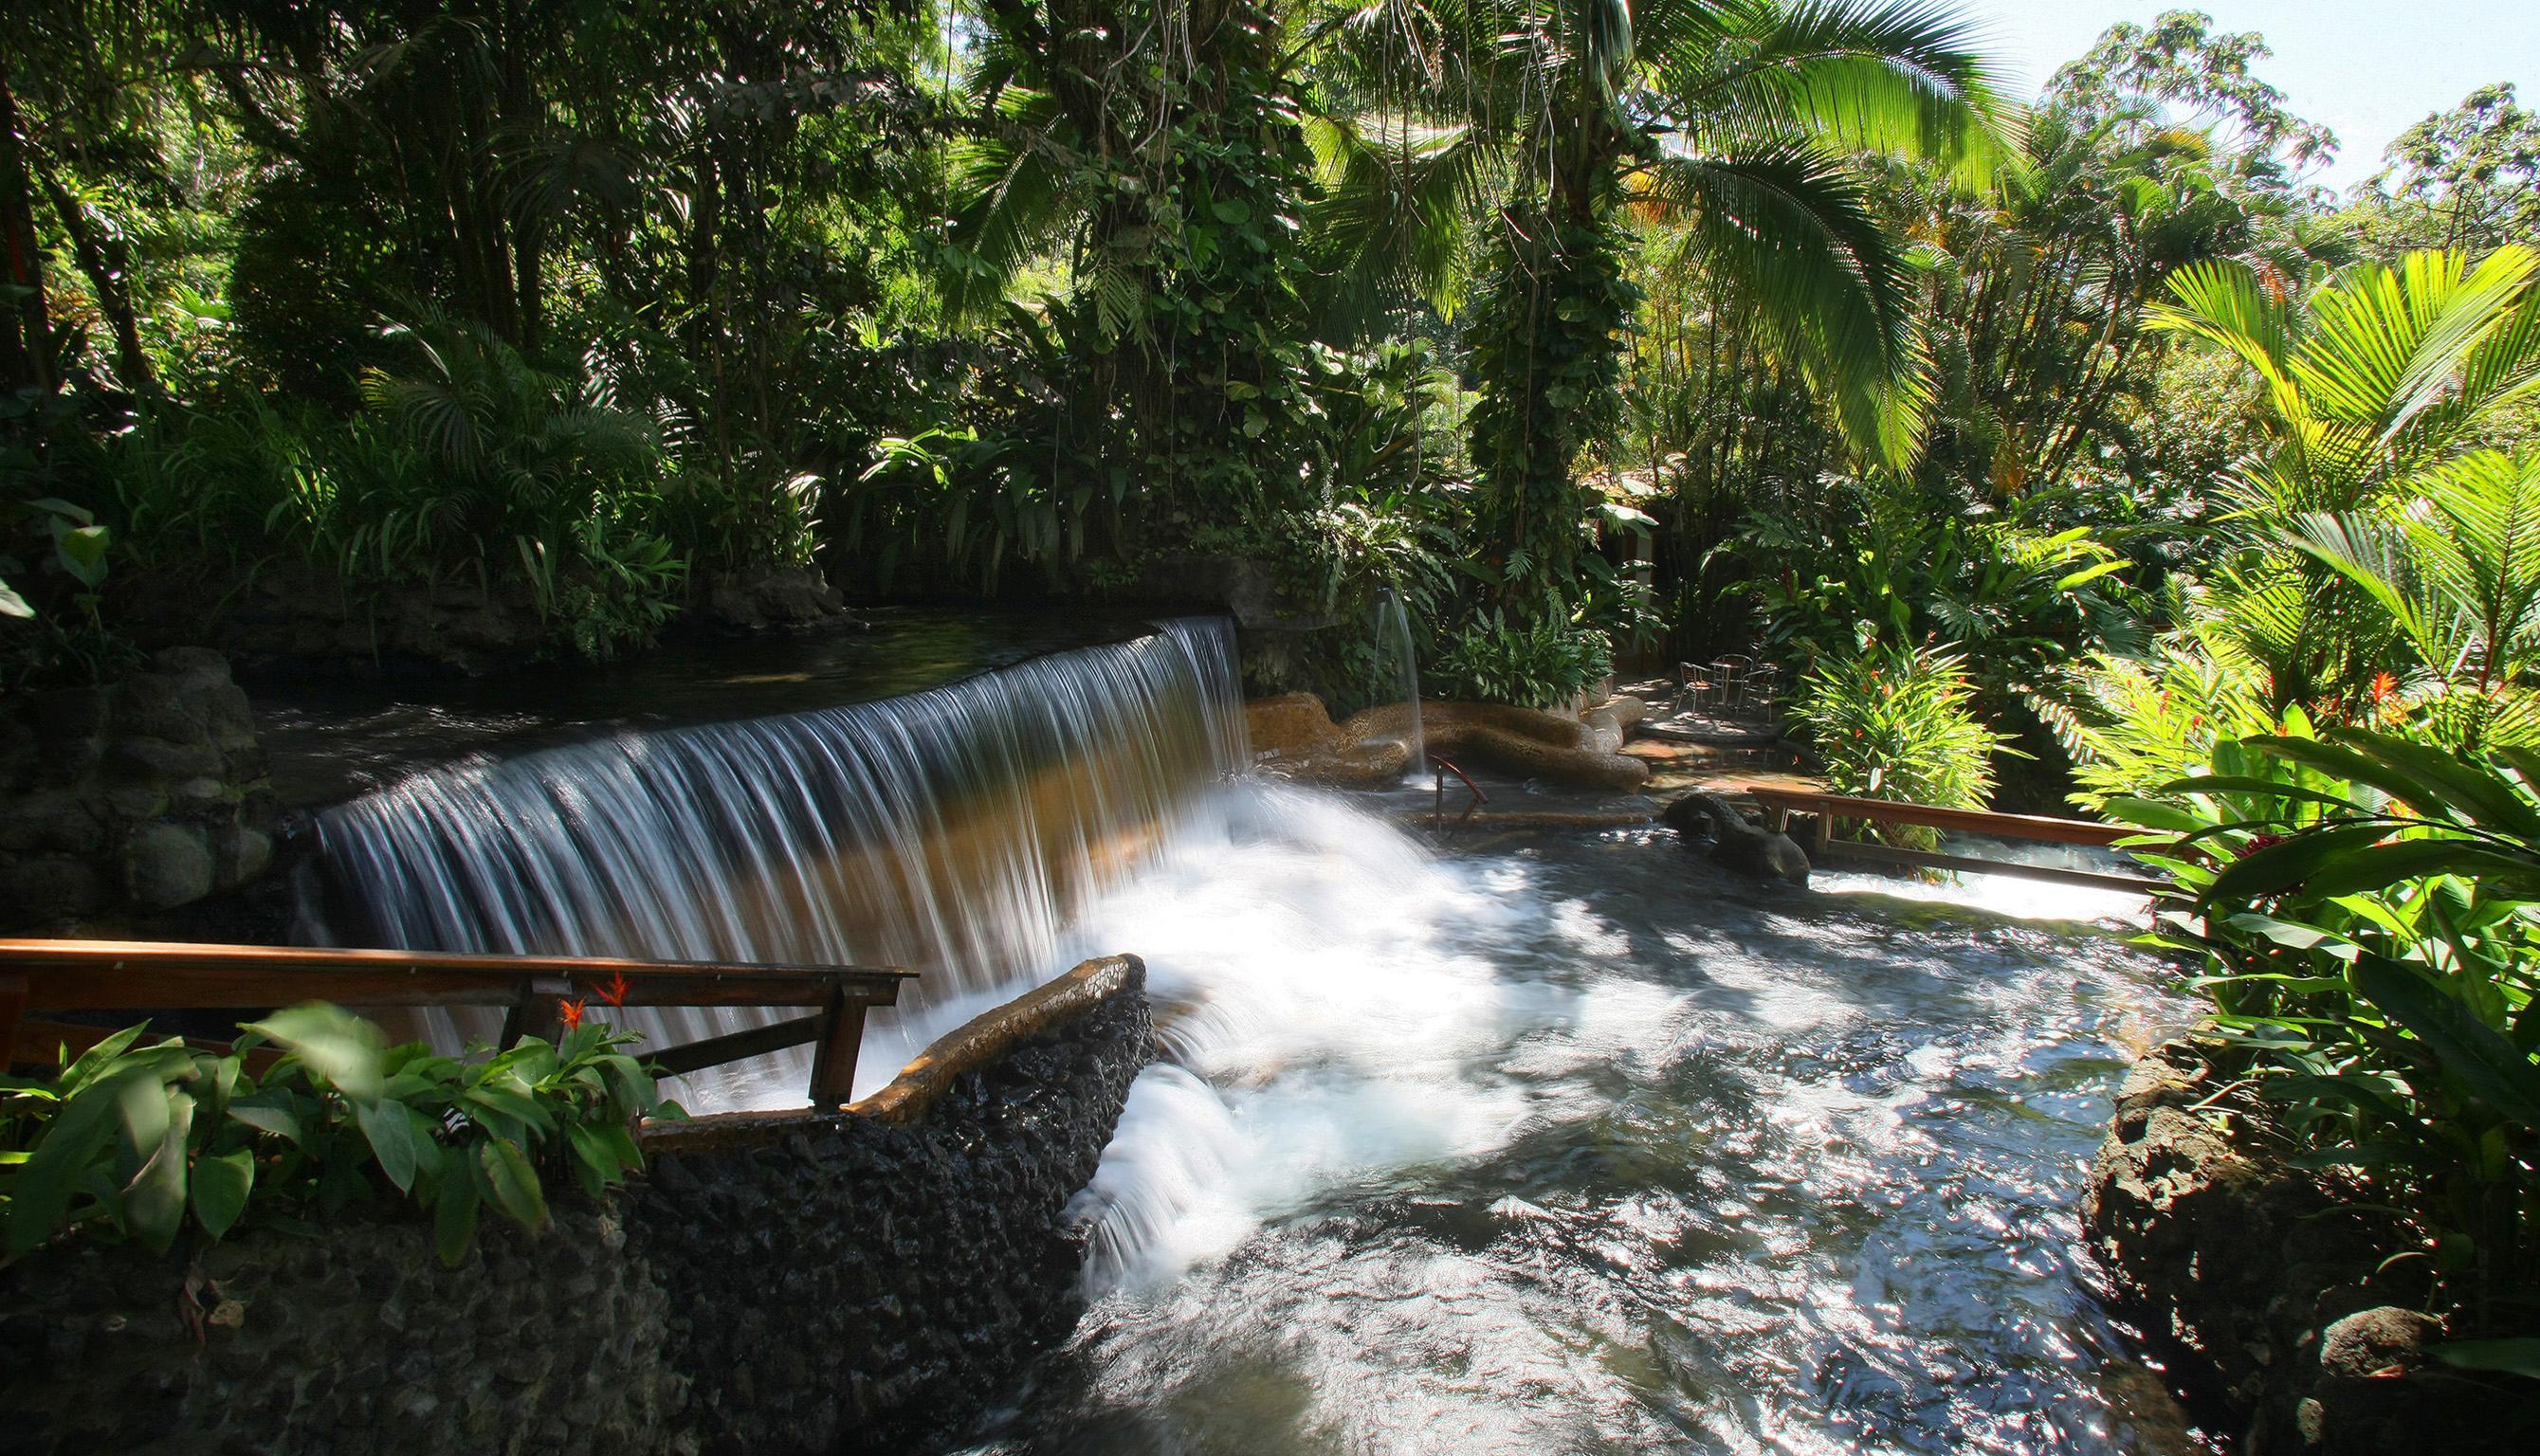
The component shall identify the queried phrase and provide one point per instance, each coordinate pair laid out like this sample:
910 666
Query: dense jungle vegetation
2086 449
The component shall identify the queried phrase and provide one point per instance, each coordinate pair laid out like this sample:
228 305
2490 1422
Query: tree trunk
105 263
26 345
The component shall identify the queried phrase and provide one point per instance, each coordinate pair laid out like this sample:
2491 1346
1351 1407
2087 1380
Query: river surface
1574 1145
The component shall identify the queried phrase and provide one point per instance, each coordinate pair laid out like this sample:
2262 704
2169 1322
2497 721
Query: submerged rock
1747 848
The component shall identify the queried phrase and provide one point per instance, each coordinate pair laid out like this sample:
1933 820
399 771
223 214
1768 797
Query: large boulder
1293 737
1747 848
1529 742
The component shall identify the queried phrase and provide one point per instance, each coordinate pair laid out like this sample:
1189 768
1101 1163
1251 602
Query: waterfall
1393 640
955 832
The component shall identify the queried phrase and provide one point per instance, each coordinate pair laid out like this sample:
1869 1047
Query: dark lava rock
2262 1282
1749 849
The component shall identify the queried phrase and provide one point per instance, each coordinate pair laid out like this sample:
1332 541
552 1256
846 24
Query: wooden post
13 1007
833 1063
1820 837
537 1012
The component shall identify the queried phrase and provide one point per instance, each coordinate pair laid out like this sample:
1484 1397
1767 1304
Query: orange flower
570 1013
615 992
2384 685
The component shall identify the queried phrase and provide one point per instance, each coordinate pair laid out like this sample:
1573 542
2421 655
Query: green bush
2366 910
163 1142
1542 665
1900 725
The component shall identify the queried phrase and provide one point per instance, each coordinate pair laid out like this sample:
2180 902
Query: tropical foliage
162 1144
2365 908
1900 725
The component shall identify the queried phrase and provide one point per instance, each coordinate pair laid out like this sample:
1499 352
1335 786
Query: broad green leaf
154 1203
97 1057
2283 932
2219 784
454 1216
83 554
2376 867
2513 1356
40 1193
335 1045
267 1117
2281 866
594 1163
2152 815
2472 1053
391 1137
510 1183
221 1187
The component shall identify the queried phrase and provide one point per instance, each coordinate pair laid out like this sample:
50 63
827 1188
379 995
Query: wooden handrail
145 975
1970 821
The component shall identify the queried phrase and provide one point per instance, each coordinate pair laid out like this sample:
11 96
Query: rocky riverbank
1293 737
2263 1282
141 796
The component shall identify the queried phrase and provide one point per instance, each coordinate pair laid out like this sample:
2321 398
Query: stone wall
299 620
140 796
2263 1282
775 1282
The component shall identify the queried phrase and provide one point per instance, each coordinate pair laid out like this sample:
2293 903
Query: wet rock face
803 1284
2260 1279
356 1342
859 1284
140 796
781 596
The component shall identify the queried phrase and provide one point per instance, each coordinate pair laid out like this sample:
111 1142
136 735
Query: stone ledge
967 1048
994 1033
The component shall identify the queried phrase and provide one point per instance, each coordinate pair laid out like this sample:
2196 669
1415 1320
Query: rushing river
1576 1145
1558 1144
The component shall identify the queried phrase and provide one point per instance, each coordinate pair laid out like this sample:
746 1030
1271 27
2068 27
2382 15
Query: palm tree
2457 569
2367 493
1741 119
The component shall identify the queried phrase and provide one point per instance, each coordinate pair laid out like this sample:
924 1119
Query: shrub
164 1141
1543 665
2366 909
1900 725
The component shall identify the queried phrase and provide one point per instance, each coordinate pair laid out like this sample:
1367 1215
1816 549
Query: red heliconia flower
2384 685
615 992
570 1013
2258 842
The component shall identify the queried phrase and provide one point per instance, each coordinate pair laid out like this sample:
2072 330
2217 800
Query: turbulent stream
1550 1143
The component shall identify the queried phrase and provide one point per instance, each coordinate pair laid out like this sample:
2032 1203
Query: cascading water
955 831
1393 641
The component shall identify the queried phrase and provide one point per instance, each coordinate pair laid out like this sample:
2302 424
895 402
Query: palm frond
1823 276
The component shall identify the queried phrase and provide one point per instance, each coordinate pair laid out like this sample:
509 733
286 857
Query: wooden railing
1780 803
170 976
